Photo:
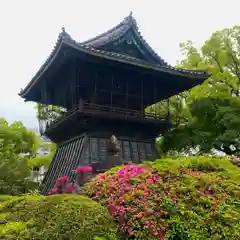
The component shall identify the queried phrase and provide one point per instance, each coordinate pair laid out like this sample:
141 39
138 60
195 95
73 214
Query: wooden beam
155 95
168 113
112 78
127 92
95 87
75 81
142 107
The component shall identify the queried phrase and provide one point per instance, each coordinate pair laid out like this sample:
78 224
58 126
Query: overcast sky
29 30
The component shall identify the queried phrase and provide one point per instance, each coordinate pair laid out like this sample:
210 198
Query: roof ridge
129 22
144 42
123 22
115 56
65 38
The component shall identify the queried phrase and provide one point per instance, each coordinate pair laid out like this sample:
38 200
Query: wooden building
90 90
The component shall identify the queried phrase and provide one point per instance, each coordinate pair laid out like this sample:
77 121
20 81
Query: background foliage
18 156
208 116
16 145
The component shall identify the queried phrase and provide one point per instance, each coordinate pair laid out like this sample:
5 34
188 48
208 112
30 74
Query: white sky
29 30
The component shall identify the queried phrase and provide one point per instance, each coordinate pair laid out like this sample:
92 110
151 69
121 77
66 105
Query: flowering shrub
62 185
83 169
192 198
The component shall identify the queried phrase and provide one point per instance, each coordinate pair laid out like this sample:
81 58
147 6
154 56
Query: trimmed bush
60 217
5 197
182 198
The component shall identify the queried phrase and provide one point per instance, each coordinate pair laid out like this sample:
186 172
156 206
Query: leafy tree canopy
16 143
17 138
209 115
45 160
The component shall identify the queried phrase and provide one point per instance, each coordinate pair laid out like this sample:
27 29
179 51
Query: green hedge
4 197
60 217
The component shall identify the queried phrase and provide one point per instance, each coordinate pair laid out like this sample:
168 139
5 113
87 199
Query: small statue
112 158
113 147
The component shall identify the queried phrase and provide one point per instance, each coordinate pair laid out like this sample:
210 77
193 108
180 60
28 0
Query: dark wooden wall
87 149
114 87
99 84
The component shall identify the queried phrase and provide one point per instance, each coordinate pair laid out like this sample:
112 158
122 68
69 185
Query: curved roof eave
140 63
53 55
65 38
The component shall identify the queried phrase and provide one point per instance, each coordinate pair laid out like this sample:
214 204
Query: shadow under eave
79 123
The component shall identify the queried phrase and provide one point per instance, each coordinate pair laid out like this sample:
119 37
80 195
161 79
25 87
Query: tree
220 55
16 144
210 115
17 137
46 114
214 123
39 161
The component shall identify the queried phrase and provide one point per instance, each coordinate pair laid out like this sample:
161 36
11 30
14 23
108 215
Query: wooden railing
96 109
118 112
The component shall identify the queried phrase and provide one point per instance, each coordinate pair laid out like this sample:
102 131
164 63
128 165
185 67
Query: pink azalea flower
150 180
102 177
53 190
98 194
156 177
70 188
84 169
122 201
62 179
66 178
146 193
121 211
174 200
161 235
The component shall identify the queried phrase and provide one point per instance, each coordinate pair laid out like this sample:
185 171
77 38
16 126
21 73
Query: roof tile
117 32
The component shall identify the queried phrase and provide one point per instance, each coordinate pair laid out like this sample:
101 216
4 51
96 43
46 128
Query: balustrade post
81 105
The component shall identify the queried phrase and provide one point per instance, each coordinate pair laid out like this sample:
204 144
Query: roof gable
122 44
125 38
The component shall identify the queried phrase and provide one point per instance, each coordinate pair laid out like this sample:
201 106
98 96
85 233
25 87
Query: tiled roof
126 57
117 32
89 47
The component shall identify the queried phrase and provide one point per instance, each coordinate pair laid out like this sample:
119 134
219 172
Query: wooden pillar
42 93
75 83
127 79
45 95
95 87
45 106
142 107
112 83
81 105
155 96
168 107
41 112
78 83
64 91
72 85
65 98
